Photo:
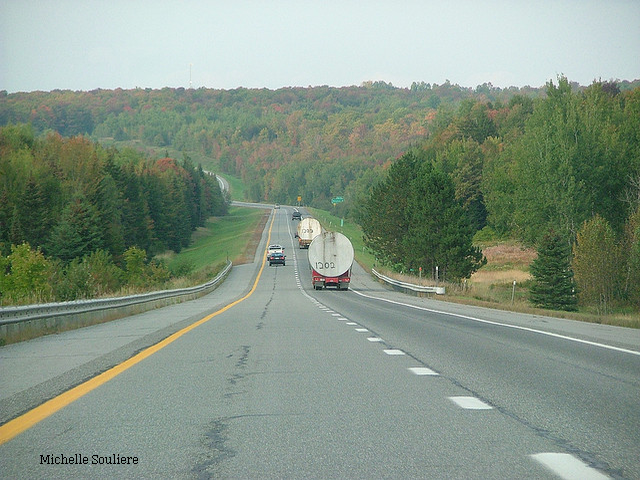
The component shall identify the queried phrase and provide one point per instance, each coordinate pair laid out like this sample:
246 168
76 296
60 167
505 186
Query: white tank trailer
330 259
308 229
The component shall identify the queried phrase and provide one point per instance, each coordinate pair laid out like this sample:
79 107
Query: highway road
281 381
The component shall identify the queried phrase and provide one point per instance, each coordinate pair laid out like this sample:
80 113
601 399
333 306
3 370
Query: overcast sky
88 44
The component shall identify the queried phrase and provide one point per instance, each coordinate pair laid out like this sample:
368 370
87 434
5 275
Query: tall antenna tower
190 84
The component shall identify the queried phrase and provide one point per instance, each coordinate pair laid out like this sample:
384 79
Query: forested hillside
315 142
521 162
68 204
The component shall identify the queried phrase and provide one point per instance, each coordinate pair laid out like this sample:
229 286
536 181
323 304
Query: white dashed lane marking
422 371
568 467
393 351
564 465
470 403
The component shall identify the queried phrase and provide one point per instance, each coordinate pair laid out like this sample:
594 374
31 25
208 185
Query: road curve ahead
295 383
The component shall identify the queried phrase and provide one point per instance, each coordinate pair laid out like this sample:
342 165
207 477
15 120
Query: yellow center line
27 420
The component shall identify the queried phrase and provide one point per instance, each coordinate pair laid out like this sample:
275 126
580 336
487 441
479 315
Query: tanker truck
330 259
308 229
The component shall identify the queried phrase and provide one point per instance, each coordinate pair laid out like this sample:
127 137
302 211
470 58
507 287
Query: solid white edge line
568 467
490 322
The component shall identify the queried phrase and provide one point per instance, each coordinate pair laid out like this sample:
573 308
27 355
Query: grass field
234 237
223 238
236 187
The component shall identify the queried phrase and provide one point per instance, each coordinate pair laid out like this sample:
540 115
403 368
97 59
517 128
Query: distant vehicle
308 229
273 249
276 206
296 215
277 258
330 259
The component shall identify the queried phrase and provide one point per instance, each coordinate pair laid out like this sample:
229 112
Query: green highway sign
337 200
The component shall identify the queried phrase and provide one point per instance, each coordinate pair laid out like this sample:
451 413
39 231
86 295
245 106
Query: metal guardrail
409 286
49 317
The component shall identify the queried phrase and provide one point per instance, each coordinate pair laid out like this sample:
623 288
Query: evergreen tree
413 219
109 204
384 222
553 285
77 233
5 216
439 233
34 212
192 193
136 223
158 201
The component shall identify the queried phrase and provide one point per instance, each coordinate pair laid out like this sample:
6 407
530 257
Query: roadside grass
236 187
491 286
234 236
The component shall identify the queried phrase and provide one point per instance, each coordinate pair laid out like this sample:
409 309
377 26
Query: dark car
296 215
276 258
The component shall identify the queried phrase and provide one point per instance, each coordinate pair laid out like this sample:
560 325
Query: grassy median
233 237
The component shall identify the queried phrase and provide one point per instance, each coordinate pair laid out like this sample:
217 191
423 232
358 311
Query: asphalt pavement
295 383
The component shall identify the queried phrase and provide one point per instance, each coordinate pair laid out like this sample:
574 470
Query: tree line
561 173
413 220
315 142
68 206
525 163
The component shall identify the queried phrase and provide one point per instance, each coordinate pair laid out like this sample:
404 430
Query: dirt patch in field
506 262
507 253
501 276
